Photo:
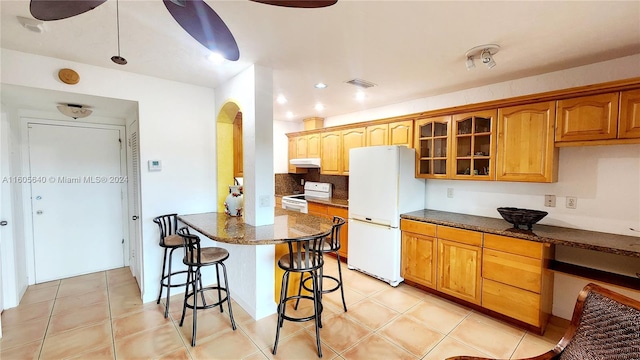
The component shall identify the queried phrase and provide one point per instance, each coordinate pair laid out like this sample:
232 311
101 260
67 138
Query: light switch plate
550 200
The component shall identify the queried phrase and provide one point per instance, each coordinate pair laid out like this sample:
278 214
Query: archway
228 116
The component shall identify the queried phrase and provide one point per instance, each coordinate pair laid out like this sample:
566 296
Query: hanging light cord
118 59
118 23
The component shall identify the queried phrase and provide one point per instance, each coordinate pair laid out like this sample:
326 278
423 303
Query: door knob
39 212
3 223
134 217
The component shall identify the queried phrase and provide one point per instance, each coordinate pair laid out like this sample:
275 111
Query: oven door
295 205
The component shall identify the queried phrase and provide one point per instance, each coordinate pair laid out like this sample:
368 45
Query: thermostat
155 165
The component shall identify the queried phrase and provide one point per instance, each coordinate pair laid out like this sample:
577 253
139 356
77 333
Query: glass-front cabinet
473 145
432 142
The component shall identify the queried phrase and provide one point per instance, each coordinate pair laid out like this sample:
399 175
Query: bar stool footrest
206 306
164 281
296 297
304 284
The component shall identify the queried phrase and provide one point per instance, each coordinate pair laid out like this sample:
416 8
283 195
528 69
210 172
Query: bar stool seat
169 241
195 258
304 256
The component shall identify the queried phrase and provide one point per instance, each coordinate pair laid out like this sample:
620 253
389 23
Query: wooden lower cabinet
514 302
499 273
459 268
516 282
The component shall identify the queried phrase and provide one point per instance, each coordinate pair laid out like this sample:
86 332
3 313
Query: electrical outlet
264 201
572 202
449 193
550 200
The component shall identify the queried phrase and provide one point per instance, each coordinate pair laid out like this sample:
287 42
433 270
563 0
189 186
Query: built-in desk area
252 249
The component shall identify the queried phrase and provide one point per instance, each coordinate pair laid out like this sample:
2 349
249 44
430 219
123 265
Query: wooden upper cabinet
629 127
293 154
401 133
313 145
472 146
330 153
377 135
301 147
526 150
351 138
238 155
586 118
432 142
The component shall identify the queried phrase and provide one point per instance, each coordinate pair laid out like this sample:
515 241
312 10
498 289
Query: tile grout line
44 337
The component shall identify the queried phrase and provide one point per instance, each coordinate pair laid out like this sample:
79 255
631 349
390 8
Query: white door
76 200
135 256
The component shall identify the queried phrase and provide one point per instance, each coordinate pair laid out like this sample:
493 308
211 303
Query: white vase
235 201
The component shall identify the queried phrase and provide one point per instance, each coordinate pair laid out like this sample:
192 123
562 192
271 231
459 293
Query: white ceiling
410 49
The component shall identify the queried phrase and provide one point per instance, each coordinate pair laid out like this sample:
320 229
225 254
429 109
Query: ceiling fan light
75 111
470 63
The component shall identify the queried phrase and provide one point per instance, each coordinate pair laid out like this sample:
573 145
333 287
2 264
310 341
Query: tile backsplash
287 184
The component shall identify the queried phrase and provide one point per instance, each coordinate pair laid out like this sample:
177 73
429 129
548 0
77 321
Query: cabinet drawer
463 236
516 270
511 301
418 227
514 246
315 208
336 211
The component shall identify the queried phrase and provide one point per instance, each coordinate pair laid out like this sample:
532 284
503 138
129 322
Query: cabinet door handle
3 223
134 217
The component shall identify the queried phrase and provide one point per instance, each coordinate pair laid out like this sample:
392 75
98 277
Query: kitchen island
253 278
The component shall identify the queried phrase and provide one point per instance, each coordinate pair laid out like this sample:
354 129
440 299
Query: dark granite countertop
342 203
590 240
232 230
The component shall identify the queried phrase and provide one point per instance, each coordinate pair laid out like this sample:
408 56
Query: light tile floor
101 316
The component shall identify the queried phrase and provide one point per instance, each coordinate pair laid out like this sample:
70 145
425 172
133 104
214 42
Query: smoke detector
34 25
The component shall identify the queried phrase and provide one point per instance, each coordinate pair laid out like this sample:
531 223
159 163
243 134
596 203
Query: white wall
177 126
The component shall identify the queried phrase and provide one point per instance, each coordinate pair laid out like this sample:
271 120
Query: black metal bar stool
196 257
170 241
304 256
330 245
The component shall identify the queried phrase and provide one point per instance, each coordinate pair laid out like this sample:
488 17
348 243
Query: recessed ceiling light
360 95
319 107
289 115
320 85
216 58
281 99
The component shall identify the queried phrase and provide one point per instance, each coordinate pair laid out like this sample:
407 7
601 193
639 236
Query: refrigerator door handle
386 226
370 220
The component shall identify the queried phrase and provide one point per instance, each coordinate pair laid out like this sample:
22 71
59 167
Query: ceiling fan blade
298 3
47 10
204 25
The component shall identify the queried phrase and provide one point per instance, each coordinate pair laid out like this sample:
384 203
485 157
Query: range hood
306 163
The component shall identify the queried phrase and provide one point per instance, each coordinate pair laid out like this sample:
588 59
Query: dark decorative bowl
519 217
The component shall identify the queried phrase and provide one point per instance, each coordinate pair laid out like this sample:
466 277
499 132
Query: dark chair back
333 242
168 225
305 254
192 251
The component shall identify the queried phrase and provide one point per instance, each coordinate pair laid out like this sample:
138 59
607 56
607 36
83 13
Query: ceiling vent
361 83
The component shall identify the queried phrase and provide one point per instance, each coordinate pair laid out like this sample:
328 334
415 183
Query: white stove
312 189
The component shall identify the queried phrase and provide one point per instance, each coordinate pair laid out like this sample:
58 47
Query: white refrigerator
382 185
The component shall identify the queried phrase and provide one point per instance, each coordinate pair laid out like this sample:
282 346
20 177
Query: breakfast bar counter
254 277
233 230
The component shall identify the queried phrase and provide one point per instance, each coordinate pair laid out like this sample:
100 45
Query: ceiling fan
194 16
